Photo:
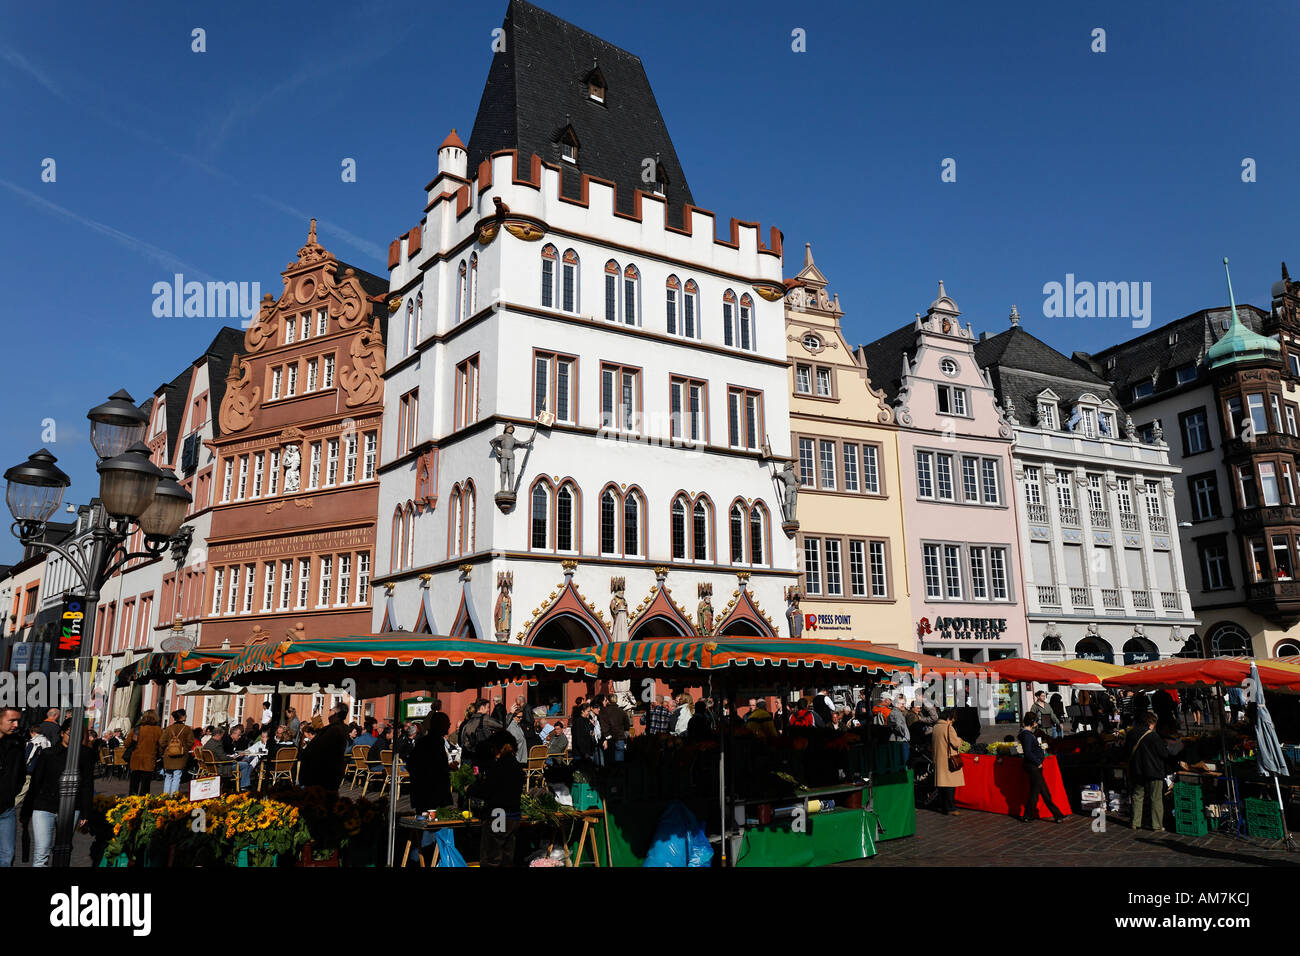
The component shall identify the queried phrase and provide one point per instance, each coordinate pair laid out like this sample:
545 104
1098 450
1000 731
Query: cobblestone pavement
972 838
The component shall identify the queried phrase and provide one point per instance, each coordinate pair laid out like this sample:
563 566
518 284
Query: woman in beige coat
945 742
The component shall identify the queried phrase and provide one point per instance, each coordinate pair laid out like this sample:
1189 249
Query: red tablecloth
999 785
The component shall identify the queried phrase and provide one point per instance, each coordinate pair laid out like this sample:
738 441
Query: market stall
763 786
997 783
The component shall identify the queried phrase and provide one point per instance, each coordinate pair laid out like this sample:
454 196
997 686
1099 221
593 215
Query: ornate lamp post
134 495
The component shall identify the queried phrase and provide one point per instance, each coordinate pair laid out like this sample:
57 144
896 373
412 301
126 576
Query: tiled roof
1017 362
536 88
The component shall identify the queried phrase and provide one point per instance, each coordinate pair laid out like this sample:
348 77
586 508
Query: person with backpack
177 741
1148 764
475 733
802 720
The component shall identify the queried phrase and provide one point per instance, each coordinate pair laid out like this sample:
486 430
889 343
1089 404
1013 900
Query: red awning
1022 669
1186 671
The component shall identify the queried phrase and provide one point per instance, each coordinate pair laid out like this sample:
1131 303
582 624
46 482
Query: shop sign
1140 657
68 643
1097 656
963 628
828 622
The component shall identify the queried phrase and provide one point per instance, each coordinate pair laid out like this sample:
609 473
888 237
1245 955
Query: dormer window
568 141
1186 374
595 81
1046 416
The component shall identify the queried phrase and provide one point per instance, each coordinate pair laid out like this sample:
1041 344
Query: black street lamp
134 494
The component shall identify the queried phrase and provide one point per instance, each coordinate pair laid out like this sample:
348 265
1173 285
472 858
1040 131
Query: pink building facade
954 451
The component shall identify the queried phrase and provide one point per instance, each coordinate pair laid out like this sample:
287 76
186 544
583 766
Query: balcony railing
1080 598
1170 601
1111 600
1070 516
1159 524
1100 519
1037 513
1047 596
1128 521
1142 601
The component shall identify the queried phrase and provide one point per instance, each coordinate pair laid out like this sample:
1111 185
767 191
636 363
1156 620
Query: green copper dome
1240 344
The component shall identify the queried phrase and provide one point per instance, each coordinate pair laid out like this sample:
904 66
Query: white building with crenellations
587 406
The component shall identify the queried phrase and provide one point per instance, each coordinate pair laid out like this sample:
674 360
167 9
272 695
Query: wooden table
587 835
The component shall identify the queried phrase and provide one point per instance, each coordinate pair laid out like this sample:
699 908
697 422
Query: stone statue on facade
292 468
501 613
503 446
618 611
704 610
1130 428
793 616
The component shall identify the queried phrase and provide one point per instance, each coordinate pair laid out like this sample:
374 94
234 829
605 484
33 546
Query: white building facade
642 366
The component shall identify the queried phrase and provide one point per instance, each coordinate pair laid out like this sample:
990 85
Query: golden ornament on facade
568 564
394 304
526 231
487 232
771 293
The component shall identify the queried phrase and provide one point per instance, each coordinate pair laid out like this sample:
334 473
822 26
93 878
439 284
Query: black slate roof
1016 362
218 355
1153 353
175 392
884 358
535 89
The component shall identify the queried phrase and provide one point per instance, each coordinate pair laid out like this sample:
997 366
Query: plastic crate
1190 824
585 797
1264 809
1267 829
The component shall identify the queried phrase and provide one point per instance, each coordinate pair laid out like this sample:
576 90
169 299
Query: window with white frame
286 584
620 398
851 479
250 585
686 408
326 580
744 418
871 469
259 464
332 463
228 480
930 567
218 584
952 400
232 604
812 566
243 478
350 458
304 581
327 379
827 461
268 586
313 374
372 453
277 377
554 380
293 380
803 379
273 472
925 474
345 579
313 474
363 577
807 473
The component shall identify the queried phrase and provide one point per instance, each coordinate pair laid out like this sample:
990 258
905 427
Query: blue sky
1115 166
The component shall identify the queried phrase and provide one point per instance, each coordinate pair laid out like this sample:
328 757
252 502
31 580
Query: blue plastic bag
679 839
448 855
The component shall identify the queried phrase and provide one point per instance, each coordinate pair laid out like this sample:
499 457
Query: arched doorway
1052 645
659 627
1286 649
1228 640
1095 649
565 632
1192 648
740 627
1138 650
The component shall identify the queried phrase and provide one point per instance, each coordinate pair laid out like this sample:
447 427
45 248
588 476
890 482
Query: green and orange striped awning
406 654
708 654
161 665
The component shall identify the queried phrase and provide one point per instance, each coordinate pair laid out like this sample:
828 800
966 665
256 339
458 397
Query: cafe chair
386 758
536 766
284 766
120 765
357 771
210 766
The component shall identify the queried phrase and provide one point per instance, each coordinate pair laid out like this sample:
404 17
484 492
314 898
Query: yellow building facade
849 542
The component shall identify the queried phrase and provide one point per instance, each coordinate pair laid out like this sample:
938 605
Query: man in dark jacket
41 805
13 774
1148 763
500 786
324 760
615 725
49 727
427 764
1033 763
475 732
